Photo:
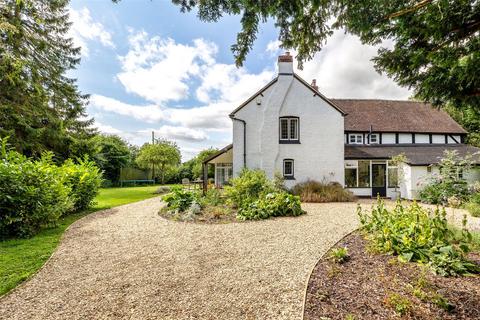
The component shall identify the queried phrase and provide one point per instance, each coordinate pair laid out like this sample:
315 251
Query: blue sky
147 66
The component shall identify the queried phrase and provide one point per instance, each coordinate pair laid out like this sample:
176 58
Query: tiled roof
421 154
396 116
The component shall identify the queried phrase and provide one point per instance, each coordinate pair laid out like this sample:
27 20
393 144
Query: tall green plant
248 187
449 182
34 194
415 234
84 179
161 154
41 107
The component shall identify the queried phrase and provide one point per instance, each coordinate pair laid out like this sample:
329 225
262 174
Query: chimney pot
314 84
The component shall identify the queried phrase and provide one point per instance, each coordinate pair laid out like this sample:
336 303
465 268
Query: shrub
84 179
473 206
248 187
179 199
417 235
339 255
213 197
273 204
448 183
314 191
162 190
34 194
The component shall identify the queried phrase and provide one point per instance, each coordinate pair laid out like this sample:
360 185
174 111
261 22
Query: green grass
20 258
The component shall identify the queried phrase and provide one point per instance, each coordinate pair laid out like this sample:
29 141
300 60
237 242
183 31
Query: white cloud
84 29
213 116
105 128
344 69
161 71
181 133
147 113
158 69
225 82
273 47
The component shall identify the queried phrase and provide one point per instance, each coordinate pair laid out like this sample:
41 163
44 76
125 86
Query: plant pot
396 195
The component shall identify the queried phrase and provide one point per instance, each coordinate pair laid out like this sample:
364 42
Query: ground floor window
363 174
358 173
351 174
223 173
392 175
288 168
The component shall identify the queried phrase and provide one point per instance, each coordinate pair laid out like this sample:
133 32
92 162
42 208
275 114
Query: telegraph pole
153 165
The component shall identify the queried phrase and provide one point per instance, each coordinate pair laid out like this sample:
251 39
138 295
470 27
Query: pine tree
41 108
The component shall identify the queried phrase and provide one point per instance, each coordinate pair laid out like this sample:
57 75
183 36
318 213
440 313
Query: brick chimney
285 64
314 84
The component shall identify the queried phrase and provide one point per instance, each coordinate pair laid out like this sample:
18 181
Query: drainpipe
244 139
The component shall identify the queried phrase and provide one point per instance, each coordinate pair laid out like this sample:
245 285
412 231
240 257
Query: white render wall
438 138
422 138
320 154
405 138
388 138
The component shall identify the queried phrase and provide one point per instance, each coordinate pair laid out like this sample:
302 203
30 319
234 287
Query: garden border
313 268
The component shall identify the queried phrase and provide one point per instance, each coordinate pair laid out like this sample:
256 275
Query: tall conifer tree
41 108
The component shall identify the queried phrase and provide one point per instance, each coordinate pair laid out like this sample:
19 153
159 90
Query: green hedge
84 179
36 193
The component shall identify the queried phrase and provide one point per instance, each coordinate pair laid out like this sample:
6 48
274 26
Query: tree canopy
111 154
41 108
162 154
436 43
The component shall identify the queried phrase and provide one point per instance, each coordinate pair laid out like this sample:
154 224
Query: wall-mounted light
258 100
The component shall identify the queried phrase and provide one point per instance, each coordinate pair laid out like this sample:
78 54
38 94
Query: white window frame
292 174
357 138
352 165
290 136
376 135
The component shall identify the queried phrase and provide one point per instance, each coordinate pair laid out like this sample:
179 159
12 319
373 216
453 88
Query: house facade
289 127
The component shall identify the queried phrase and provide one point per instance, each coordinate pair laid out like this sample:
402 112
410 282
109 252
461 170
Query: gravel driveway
128 262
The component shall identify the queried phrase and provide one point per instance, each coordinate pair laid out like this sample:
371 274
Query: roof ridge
372 99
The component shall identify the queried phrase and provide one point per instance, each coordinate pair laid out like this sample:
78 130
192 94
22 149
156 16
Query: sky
149 67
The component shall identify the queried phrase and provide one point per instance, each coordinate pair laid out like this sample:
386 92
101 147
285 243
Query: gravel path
128 262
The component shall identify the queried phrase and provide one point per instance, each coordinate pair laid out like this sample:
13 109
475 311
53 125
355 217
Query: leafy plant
34 194
161 154
179 198
473 206
400 304
314 191
424 291
449 182
339 255
84 179
271 205
213 197
248 187
415 234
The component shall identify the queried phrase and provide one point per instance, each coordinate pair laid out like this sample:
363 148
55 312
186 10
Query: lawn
20 258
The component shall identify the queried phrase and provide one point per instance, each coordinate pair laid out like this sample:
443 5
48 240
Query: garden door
379 180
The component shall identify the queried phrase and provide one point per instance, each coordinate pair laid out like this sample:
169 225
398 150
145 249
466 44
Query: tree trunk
163 173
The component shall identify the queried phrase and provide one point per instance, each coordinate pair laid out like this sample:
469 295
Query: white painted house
289 127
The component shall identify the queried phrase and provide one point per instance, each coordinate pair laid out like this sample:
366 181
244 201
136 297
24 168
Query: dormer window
289 130
373 138
355 138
